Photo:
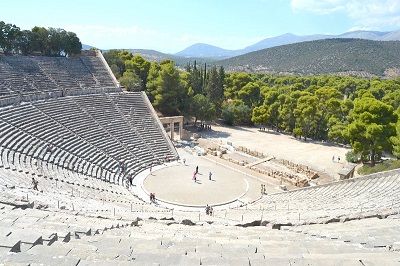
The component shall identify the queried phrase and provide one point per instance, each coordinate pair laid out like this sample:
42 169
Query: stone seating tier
90 134
27 78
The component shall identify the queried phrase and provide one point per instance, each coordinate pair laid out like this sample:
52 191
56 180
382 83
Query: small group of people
209 210
153 197
263 190
196 171
204 127
121 167
338 158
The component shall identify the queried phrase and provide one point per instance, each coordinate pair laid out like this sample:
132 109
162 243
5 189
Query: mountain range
365 53
203 52
209 51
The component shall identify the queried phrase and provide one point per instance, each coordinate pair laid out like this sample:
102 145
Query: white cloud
319 7
366 14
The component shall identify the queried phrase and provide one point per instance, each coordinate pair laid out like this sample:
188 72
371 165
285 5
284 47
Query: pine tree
221 79
214 90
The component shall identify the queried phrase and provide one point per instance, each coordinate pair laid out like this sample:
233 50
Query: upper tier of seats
24 78
70 114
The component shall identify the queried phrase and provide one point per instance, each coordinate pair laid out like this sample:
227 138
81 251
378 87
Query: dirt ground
323 157
175 184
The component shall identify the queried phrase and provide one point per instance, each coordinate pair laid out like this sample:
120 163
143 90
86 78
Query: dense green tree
140 67
236 113
9 34
338 122
40 40
152 80
392 98
261 115
24 42
306 116
213 88
234 82
195 78
130 81
56 41
116 59
372 125
202 108
166 88
50 42
396 139
250 94
72 44
268 113
221 79
329 100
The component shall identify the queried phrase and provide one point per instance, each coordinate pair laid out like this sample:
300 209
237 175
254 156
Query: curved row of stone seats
73 192
71 116
96 66
75 74
22 74
158 243
377 194
88 134
141 118
372 232
27 130
18 146
102 110
41 73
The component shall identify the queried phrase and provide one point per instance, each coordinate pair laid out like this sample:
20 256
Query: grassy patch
379 167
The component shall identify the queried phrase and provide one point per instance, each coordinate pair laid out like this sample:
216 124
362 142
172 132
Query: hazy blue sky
172 25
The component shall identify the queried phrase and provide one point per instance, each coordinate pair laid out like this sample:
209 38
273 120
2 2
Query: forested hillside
351 56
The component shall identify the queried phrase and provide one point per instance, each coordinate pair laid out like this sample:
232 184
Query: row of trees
197 92
360 112
39 40
356 111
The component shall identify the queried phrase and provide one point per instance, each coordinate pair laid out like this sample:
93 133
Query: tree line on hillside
360 112
362 57
39 40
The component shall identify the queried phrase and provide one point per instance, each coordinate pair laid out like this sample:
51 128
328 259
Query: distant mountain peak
205 50
288 34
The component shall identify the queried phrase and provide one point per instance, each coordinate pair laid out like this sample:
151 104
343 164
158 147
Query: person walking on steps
35 184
